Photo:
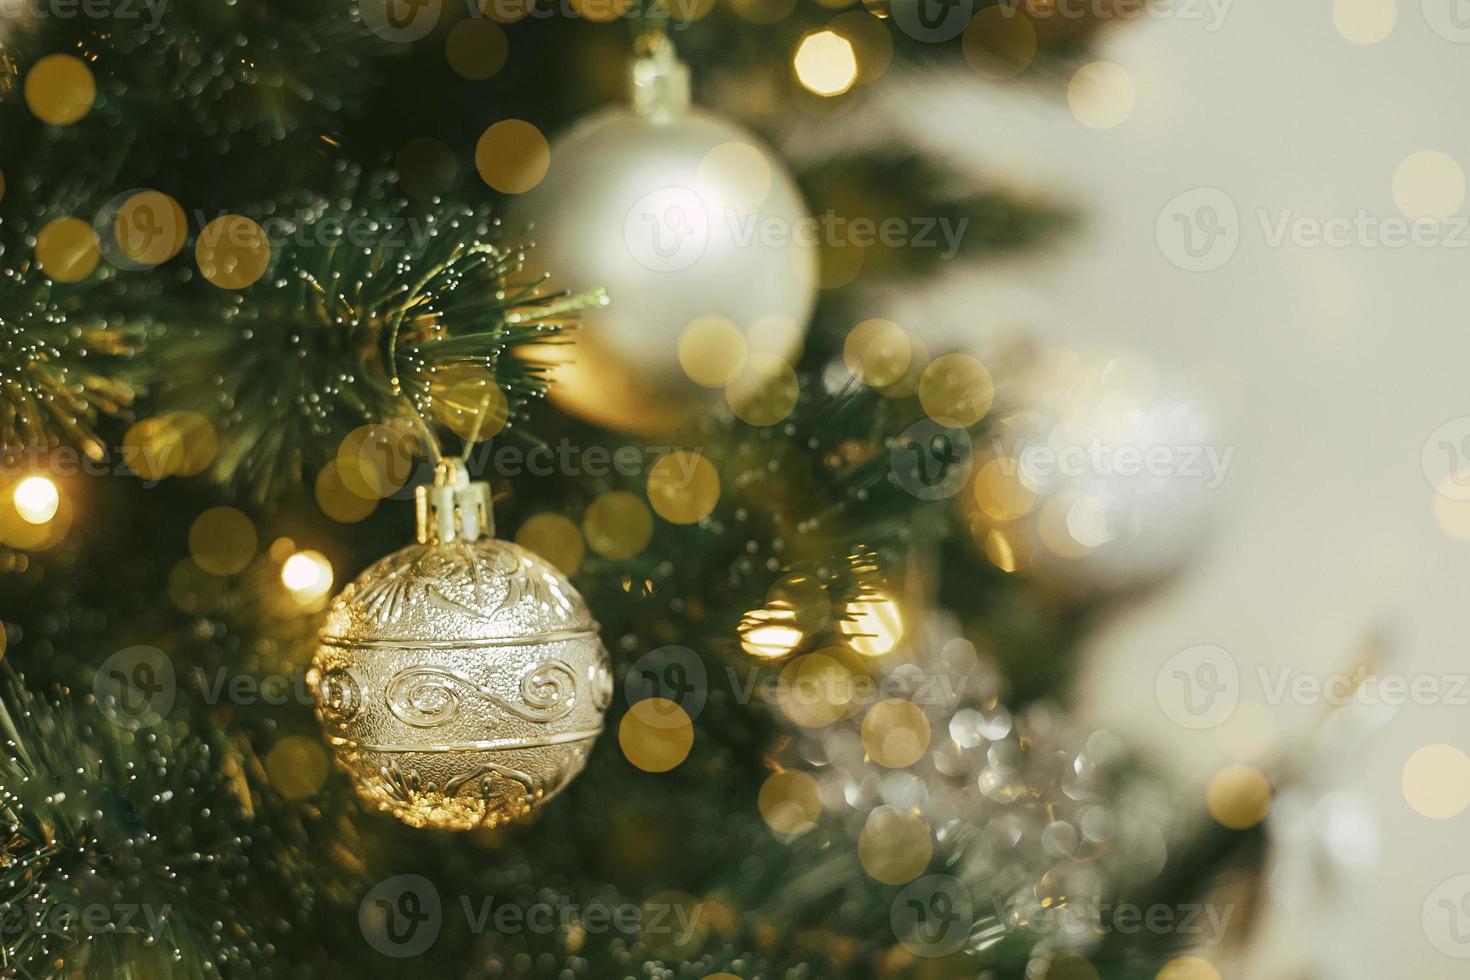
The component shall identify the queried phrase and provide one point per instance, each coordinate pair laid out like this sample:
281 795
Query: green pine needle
365 304
61 366
119 851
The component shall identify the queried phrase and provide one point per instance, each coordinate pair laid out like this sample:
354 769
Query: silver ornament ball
681 215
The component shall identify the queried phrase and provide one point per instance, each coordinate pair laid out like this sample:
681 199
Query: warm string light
307 575
873 625
826 63
36 499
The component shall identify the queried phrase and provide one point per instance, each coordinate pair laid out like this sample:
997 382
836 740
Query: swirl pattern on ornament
427 697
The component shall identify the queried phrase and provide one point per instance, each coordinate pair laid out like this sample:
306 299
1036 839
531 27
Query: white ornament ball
1127 467
683 217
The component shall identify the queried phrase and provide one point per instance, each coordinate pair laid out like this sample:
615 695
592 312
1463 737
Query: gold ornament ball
460 681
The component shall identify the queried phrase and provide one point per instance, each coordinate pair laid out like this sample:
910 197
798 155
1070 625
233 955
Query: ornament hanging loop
659 85
455 508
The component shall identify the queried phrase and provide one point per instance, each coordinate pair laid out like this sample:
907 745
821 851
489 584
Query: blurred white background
1333 365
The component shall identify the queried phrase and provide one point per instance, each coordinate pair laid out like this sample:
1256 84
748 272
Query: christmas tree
279 277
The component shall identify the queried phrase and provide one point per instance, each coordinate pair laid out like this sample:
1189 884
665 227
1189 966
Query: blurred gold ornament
460 680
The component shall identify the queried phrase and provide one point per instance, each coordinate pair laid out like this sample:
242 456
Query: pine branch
63 363
124 855
365 312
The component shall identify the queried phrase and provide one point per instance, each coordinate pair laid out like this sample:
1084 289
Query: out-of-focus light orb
738 169
468 402
771 641
68 249
555 538
1188 968
1071 967
878 352
683 487
1436 781
36 499
1429 184
873 624
1238 797
1450 513
1101 95
765 391
895 733
232 251
821 688
826 63
789 802
375 461
617 525
337 501
172 444
895 846
999 492
476 48
656 735
307 575
712 351
297 767
1364 21
60 89
956 390
222 540
512 156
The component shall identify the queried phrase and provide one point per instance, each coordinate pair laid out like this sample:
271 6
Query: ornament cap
659 85
455 508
